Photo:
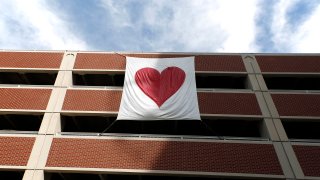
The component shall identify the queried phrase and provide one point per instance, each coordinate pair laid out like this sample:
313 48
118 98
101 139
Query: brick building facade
260 119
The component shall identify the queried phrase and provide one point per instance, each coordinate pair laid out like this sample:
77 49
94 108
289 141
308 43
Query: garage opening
302 129
98 79
236 127
217 127
28 78
293 83
12 175
20 122
222 81
92 124
202 80
209 127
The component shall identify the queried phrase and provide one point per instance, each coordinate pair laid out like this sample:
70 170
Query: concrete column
33 175
284 161
64 77
254 76
295 165
272 126
51 123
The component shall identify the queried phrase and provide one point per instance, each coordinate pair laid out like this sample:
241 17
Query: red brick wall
111 61
99 61
92 100
210 103
297 104
289 63
309 159
32 99
116 61
30 59
219 63
228 103
15 151
164 155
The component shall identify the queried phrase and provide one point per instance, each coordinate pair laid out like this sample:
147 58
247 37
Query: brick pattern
219 63
117 61
297 104
100 61
111 61
92 100
289 63
231 63
15 151
164 155
30 59
209 103
29 99
228 103
309 159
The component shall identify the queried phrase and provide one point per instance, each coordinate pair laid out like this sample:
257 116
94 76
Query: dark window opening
98 79
217 127
202 80
20 122
83 176
235 127
221 81
292 83
12 175
85 123
165 127
302 129
27 78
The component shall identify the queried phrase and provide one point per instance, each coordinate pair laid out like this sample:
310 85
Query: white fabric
136 105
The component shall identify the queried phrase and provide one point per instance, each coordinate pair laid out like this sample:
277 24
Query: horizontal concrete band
157 172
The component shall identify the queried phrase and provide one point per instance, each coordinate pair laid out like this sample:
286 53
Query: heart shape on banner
160 86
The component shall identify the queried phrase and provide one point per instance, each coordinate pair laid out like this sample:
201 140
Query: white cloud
224 26
308 36
199 25
302 38
33 25
160 25
118 13
238 21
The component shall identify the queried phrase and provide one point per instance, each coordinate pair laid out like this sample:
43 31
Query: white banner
159 89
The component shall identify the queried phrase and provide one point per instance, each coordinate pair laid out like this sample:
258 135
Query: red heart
160 87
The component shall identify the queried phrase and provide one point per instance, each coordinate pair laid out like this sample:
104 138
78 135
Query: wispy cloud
200 25
295 34
307 37
33 25
162 25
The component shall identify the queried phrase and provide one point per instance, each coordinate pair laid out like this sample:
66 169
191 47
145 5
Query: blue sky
277 26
